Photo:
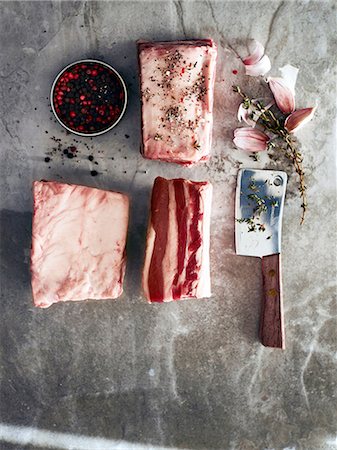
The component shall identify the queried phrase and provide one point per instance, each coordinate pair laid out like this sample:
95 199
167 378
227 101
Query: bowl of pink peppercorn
88 97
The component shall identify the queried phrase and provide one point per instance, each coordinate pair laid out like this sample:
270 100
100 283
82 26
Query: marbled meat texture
78 243
177 84
177 250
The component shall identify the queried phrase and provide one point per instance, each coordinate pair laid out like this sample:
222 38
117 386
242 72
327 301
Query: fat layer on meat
78 243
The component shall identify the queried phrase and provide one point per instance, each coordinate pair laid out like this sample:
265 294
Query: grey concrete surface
189 374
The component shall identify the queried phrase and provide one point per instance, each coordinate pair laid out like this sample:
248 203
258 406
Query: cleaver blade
259 204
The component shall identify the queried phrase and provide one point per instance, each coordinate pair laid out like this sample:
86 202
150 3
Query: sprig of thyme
260 206
275 125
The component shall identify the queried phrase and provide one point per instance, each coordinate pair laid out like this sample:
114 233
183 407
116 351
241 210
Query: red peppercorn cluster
88 97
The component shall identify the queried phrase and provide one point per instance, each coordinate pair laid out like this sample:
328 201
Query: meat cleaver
258 212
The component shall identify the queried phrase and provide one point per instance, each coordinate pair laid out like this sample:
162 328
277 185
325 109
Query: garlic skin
244 115
256 63
283 94
283 88
251 114
298 119
289 74
250 139
256 52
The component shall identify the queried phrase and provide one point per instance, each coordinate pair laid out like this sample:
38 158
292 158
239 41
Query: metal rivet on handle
278 181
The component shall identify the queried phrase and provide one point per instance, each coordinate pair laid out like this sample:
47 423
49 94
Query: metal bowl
84 61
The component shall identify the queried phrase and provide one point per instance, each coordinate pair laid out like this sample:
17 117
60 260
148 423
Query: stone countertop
189 374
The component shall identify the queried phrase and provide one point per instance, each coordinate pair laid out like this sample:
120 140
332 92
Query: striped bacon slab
177 84
177 251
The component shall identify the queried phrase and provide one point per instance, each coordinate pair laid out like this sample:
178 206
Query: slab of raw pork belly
177 249
177 84
78 243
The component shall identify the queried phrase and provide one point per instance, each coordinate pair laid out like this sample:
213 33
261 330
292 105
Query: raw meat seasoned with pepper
177 83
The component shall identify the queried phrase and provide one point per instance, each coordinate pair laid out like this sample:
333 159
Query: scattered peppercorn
91 158
94 173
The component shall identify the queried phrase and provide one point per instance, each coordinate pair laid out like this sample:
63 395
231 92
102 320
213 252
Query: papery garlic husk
298 119
244 114
256 52
256 63
289 74
283 94
250 139
260 68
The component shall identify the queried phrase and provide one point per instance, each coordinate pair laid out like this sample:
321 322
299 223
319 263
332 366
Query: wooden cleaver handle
271 322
